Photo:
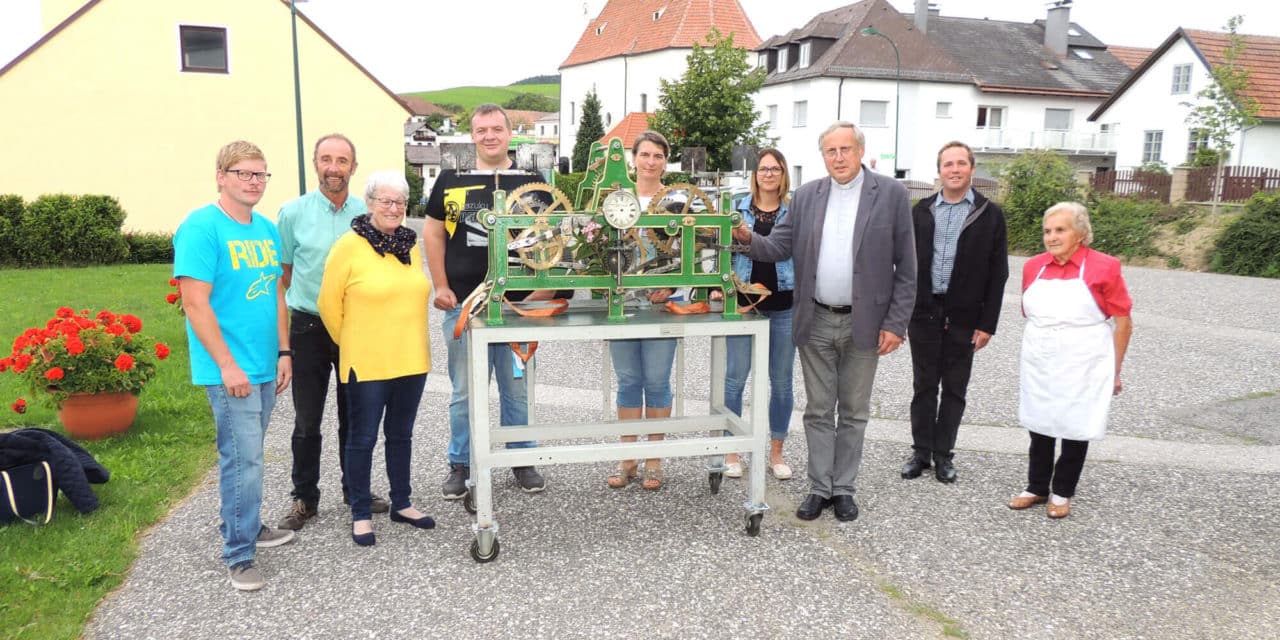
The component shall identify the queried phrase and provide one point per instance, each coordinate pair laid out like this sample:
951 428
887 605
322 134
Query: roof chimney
921 17
1055 27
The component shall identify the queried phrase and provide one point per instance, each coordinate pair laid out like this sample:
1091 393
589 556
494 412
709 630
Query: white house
1148 112
1002 87
633 44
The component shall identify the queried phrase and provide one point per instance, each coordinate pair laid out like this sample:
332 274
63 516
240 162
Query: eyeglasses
769 170
390 204
246 176
834 152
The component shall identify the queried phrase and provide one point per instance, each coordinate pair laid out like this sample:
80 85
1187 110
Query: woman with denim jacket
766 207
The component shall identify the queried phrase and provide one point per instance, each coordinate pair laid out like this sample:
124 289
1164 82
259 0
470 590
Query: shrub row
66 230
1250 246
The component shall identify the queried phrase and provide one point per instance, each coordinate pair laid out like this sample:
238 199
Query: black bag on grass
27 493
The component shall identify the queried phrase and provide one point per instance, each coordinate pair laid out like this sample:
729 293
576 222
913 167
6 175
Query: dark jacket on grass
981 265
73 468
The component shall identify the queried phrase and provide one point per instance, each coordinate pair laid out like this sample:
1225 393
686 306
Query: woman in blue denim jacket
766 207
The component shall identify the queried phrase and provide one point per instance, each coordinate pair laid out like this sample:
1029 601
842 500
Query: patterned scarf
398 244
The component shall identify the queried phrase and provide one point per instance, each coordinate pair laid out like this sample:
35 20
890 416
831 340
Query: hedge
1250 246
67 230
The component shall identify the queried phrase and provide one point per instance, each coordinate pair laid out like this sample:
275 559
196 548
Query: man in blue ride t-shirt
226 257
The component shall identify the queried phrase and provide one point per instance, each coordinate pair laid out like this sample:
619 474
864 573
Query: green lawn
52 577
469 97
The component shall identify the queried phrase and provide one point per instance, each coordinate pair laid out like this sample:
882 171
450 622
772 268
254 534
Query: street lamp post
297 100
897 91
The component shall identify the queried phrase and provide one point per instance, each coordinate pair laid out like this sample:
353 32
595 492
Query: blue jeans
782 357
366 404
242 426
643 368
513 395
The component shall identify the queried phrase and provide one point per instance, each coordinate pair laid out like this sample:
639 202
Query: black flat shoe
945 471
846 509
915 466
425 522
812 507
364 539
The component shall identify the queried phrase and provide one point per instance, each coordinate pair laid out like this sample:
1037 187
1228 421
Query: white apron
1068 361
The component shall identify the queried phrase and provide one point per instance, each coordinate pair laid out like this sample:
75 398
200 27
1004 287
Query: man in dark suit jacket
961 244
854 228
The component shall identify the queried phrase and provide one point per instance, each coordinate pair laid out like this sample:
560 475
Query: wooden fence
1238 183
1127 182
919 188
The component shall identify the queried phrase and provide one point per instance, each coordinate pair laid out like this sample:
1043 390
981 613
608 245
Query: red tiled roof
421 107
628 27
528 117
1130 56
1261 57
628 128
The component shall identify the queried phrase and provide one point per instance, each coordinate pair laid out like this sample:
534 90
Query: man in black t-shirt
456 246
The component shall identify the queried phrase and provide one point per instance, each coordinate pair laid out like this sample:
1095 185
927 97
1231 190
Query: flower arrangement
77 353
591 247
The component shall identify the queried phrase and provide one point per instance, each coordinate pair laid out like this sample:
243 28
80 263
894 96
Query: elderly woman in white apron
1071 354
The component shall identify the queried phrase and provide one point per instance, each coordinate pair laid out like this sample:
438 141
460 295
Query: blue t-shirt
242 262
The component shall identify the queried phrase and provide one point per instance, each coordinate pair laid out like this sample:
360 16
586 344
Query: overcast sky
415 45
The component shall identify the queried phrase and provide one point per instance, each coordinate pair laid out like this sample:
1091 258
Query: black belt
303 313
833 308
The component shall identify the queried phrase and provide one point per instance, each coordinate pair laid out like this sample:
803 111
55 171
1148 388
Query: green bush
149 247
1123 226
1034 181
1250 246
676 177
11 208
72 230
568 183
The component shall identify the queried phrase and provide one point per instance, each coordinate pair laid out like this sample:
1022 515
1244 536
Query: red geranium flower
162 351
173 282
55 373
124 362
132 323
5 363
115 329
75 346
106 316
64 312
20 406
171 298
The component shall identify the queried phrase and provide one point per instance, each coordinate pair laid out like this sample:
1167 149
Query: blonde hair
1079 219
237 151
784 185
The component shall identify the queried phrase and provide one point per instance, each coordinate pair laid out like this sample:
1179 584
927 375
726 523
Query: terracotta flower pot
96 416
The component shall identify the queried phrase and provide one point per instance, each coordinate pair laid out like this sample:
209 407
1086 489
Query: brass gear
519 205
666 244
546 253
693 192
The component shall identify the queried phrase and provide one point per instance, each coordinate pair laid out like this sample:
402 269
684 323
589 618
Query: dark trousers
941 355
314 355
1065 474
394 403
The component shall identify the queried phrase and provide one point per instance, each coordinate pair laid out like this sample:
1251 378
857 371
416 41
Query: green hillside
469 97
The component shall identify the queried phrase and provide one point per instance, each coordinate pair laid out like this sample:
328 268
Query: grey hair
1079 218
388 178
843 124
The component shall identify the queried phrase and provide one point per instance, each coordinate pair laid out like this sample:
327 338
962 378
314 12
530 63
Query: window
658 14
600 29
943 110
431 172
1197 139
204 49
782 59
800 113
991 117
572 119
1082 54
772 110
1057 119
874 113
1181 78
644 103
805 48
1151 142
799 177
763 60
608 119
555 129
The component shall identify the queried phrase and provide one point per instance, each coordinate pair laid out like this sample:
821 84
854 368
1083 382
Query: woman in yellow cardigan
373 301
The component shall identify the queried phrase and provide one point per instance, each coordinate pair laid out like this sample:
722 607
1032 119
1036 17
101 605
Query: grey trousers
837 380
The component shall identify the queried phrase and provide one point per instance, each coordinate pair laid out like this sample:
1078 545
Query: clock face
621 209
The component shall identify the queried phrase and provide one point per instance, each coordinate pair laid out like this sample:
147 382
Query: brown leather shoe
1059 510
298 516
1018 503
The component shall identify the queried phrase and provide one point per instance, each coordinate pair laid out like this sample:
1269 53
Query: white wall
1261 146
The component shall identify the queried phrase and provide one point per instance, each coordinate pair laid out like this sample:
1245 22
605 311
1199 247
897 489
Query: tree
532 102
415 185
1224 108
711 105
590 130
1033 182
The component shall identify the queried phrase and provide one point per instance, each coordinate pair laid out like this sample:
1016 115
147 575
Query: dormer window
658 14
763 60
600 29
782 59
805 48
1082 54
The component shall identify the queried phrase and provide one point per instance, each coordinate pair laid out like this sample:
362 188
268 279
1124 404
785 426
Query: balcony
1071 141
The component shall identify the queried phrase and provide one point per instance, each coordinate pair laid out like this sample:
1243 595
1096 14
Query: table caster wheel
715 478
482 559
469 502
753 524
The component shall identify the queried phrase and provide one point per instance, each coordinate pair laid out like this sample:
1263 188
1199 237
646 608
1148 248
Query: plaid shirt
948 220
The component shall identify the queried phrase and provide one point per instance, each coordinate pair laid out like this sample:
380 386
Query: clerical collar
855 183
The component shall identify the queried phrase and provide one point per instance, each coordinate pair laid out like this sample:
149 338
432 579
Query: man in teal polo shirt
309 225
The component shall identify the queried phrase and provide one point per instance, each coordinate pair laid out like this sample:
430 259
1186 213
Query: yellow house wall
54 11
102 108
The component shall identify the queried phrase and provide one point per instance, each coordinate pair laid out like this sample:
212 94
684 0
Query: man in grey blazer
855 229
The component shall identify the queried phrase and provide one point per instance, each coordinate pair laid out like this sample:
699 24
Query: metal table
725 432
